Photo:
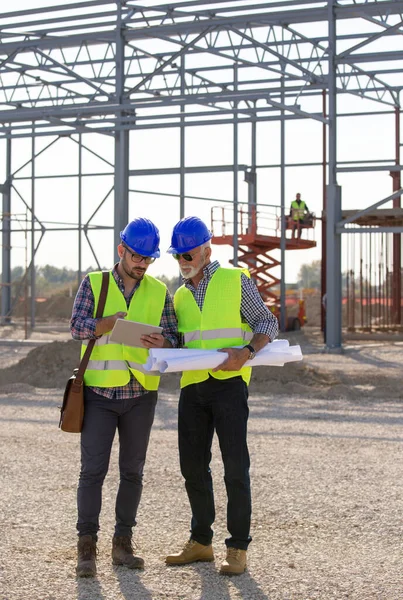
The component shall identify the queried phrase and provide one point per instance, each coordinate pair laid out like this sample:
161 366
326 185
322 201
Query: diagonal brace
369 209
180 52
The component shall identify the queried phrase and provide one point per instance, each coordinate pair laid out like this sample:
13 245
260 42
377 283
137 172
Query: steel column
397 244
182 144
235 154
80 201
32 266
121 204
282 218
323 224
333 204
6 242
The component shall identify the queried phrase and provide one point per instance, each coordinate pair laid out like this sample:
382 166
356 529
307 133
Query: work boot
192 552
122 553
234 563
86 556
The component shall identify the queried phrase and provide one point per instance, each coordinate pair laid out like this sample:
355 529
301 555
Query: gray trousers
133 419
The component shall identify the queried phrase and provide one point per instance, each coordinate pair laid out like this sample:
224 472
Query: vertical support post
333 204
33 270
282 212
251 179
182 144
121 204
323 233
253 195
80 199
6 242
397 248
235 141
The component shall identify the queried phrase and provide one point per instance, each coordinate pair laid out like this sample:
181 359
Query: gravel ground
326 475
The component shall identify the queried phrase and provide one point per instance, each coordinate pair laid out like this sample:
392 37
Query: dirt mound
296 373
50 365
57 307
47 366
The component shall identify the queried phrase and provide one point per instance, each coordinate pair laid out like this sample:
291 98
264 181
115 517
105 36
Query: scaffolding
107 68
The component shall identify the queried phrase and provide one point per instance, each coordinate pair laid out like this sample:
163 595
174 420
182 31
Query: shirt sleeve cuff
265 330
173 339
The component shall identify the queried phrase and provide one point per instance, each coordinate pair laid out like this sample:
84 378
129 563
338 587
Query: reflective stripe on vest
111 365
211 334
218 325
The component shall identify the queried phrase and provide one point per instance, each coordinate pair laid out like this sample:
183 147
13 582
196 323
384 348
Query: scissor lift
259 234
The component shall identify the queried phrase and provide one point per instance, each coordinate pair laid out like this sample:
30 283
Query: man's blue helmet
189 233
142 236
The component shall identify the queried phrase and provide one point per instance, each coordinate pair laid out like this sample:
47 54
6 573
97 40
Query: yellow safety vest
298 210
218 325
110 364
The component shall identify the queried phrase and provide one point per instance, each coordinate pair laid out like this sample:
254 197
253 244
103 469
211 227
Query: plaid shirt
83 324
253 310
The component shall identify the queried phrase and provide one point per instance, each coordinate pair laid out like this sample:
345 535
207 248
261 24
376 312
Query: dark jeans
133 418
220 405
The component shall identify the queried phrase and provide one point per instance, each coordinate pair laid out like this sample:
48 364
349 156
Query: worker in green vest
216 308
118 393
298 211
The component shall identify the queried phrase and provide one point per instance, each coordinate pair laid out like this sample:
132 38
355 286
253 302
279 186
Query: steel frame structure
109 67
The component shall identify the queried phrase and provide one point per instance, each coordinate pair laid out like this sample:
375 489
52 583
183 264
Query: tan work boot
86 556
122 553
192 552
235 562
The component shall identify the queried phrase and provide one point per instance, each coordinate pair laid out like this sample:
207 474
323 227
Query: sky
363 138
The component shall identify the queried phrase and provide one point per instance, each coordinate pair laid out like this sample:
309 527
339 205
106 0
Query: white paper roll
170 360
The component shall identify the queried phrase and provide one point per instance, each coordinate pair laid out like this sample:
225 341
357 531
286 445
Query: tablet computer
129 332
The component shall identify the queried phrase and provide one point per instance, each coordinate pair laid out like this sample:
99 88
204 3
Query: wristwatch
252 351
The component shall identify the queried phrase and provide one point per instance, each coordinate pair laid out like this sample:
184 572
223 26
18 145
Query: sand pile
47 366
50 365
55 308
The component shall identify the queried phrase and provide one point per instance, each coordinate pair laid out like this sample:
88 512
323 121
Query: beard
190 272
136 273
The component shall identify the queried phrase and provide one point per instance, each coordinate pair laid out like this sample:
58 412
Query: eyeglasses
186 256
138 258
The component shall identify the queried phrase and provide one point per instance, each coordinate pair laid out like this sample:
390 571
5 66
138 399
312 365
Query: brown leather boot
234 563
122 553
86 556
192 552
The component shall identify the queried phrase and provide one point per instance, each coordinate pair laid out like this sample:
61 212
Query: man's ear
208 252
121 250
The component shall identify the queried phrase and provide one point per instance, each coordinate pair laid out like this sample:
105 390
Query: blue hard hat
142 236
189 233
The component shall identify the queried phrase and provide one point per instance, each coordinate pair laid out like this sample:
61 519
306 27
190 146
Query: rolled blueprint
170 360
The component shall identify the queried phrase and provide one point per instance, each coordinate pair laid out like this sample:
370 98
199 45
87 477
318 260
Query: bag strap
91 343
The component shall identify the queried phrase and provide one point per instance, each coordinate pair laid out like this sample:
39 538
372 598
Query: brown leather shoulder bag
72 410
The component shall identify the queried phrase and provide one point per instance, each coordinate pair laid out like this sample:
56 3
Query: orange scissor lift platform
259 234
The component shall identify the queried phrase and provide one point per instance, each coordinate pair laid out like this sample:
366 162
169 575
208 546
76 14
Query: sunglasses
185 256
138 258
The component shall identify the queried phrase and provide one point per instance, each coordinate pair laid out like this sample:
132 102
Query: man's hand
155 340
237 357
106 324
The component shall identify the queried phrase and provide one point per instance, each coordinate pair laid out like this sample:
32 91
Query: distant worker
298 211
118 393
